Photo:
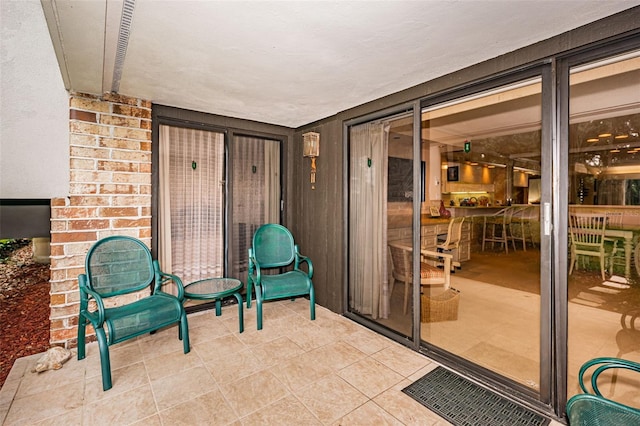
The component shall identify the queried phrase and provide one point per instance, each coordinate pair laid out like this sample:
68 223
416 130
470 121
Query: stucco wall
34 107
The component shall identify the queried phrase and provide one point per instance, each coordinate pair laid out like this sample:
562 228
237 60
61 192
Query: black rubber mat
465 403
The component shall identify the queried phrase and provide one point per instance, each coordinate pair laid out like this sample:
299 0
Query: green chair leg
105 361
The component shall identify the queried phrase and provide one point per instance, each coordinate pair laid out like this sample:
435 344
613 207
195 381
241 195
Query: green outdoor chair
117 266
274 249
593 409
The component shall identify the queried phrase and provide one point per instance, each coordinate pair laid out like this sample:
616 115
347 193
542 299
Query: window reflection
604 182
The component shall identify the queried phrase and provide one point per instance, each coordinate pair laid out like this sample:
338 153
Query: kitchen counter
404 221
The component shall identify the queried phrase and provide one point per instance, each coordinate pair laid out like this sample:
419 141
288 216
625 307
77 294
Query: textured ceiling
291 63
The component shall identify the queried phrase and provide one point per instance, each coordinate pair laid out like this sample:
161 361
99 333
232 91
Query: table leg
218 308
240 313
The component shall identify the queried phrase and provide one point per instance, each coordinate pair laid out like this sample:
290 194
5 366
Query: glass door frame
409 107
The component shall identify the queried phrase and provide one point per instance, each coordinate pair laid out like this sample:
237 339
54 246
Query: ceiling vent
123 42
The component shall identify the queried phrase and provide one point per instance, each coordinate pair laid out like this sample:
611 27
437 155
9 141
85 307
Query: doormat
465 403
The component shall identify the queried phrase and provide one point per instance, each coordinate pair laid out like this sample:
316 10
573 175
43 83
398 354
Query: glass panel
256 195
604 187
381 191
482 210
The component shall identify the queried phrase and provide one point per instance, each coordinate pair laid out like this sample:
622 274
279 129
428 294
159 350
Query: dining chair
618 251
451 243
587 238
430 273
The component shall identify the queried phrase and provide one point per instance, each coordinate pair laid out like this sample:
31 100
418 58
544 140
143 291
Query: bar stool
520 229
495 229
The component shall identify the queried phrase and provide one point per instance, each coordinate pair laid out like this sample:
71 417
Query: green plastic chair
116 266
273 248
593 409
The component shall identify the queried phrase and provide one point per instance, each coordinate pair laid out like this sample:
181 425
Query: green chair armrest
88 294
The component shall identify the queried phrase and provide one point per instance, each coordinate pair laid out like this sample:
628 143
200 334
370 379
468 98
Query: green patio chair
118 266
272 251
593 409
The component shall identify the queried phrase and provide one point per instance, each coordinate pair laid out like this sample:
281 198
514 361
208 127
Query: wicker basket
442 307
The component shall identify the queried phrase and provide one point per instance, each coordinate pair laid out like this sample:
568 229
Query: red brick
131 223
117 189
118 212
71 237
145 146
88 152
145 124
82 164
144 233
89 104
58 202
77 225
64 311
114 120
56 324
83 188
127 133
57 251
140 178
88 200
132 111
74 114
89 128
119 166
74 212
63 334
134 156
120 143
57 299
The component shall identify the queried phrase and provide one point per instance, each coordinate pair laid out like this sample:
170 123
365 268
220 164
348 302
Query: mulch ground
24 305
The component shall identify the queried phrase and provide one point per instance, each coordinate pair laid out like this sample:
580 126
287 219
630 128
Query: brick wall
109 194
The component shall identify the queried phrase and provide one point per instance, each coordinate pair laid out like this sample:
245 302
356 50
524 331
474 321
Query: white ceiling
291 63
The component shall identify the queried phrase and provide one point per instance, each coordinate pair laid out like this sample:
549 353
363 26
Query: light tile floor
330 371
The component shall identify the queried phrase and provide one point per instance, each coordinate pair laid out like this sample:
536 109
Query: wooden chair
618 251
452 241
273 248
119 266
591 408
430 274
587 238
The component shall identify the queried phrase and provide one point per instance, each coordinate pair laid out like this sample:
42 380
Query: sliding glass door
381 194
603 166
211 202
486 148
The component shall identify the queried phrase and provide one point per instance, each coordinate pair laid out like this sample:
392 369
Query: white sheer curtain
368 282
191 210
256 194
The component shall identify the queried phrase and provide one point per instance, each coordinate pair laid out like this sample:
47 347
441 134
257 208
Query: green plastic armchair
272 250
117 266
593 409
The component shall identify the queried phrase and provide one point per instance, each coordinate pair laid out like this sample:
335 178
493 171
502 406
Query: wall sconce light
311 149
